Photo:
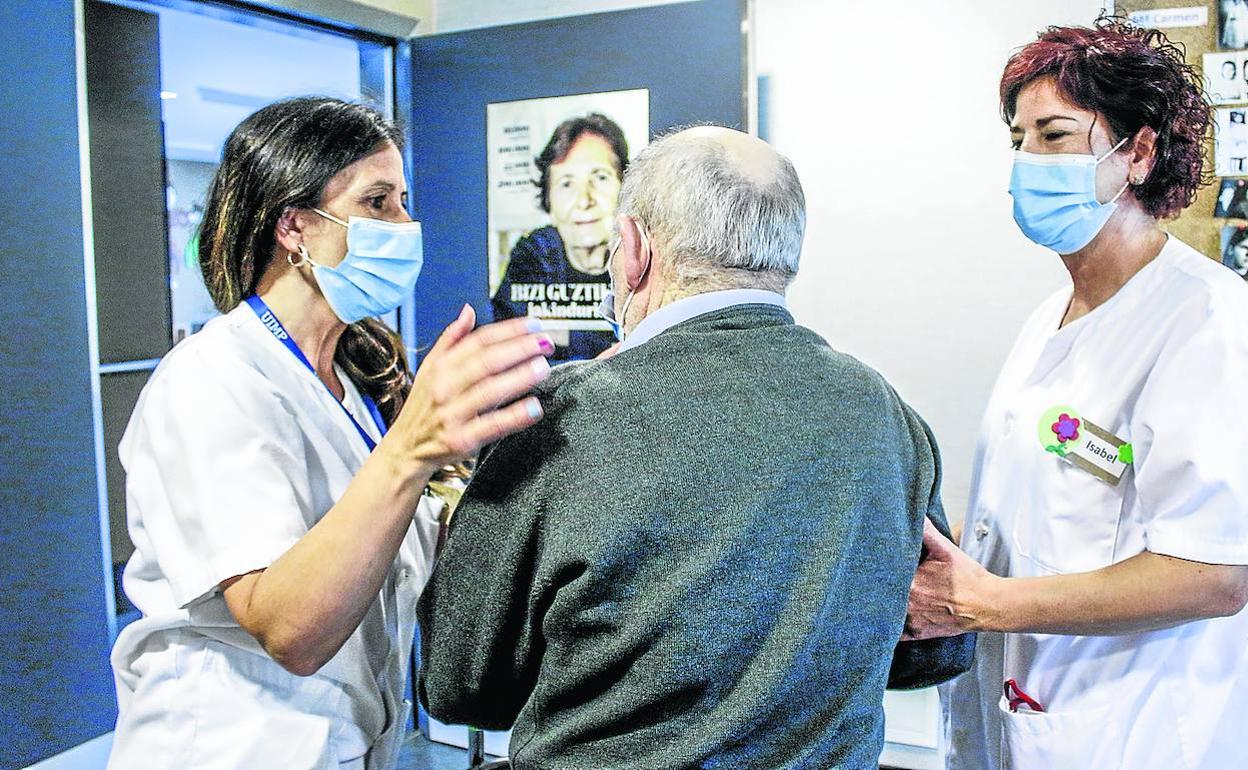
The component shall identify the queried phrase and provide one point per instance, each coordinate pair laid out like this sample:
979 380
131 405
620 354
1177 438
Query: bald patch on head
751 156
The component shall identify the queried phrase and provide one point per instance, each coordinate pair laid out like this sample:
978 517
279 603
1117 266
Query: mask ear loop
331 217
1120 192
1126 184
1112 150
633 292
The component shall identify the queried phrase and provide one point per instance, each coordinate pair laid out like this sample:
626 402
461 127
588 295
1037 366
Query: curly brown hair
1134 77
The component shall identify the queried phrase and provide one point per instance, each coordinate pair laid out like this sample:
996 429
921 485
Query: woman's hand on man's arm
953 594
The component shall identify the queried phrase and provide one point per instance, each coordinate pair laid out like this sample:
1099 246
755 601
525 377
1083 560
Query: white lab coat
1163 365
235 450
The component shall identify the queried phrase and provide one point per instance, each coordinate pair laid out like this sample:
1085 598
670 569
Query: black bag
928 662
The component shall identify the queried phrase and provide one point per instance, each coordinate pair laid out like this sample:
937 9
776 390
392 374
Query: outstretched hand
946 596
469 390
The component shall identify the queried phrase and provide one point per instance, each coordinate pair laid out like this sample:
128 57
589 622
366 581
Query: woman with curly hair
1104 550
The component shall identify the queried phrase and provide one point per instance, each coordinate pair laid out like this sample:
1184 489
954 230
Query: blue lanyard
277 330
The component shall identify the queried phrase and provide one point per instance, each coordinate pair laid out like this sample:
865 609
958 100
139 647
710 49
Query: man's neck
661 290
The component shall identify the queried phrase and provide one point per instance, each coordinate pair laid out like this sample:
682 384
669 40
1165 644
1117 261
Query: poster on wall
554 173
1225 75
1230 148
1235 248
1233 24
1232 199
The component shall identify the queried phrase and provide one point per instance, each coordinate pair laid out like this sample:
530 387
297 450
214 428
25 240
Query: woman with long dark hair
278 460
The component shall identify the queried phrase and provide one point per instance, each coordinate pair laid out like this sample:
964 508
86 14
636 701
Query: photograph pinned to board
1233 24
554 171
1232 199
1225 75
1230 142
1235 248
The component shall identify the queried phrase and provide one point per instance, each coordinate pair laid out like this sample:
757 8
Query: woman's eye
377 202
1054 136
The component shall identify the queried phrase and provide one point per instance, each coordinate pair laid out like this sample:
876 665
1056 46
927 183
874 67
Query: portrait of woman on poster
1235 252
580 171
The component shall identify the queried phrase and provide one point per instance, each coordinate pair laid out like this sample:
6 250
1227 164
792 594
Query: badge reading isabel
1084 445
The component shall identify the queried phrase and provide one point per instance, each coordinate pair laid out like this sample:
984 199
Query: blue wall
54 636
690 56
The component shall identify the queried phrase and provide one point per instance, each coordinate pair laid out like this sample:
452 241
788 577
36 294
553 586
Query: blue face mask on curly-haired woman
1055 201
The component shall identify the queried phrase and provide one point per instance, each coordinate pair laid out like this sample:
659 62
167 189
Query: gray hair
708 216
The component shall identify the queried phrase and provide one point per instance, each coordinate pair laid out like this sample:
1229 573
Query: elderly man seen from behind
701 557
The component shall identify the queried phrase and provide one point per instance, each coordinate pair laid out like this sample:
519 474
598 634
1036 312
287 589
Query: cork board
1196 225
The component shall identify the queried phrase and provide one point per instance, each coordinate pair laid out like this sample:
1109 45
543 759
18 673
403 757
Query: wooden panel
1196 225
128 183
119 392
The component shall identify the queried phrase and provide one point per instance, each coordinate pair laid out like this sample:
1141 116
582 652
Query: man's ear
634 253
289 230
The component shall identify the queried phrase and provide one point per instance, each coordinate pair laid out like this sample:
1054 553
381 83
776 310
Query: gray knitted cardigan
699 558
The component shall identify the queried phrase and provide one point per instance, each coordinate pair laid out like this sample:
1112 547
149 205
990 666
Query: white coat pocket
253 714
1068 740
1072 526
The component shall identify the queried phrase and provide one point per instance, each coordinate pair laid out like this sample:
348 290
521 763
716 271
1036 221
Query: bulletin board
691 78
1196 225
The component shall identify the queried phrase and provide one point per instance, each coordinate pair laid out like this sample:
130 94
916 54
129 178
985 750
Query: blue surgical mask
379 271
606 308
1055 201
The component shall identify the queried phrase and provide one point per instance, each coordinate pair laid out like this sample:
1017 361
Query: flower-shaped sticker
1066 428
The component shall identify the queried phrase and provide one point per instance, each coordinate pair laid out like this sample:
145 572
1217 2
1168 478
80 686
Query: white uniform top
235 449
1163 365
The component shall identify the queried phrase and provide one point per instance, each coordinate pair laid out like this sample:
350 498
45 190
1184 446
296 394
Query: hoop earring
303 256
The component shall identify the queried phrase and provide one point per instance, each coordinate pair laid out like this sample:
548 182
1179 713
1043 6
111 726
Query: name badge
1087 446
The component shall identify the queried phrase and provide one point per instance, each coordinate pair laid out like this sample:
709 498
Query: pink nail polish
546 346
